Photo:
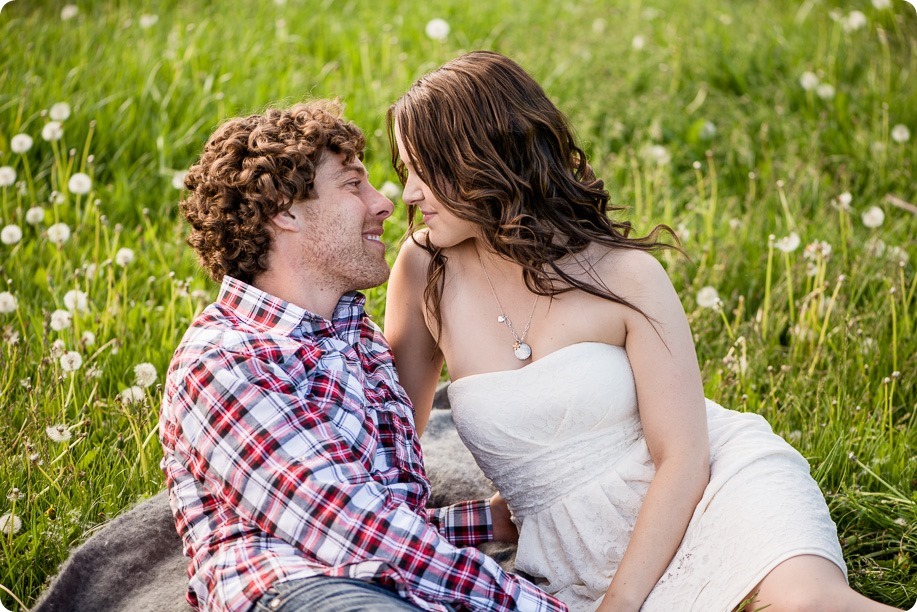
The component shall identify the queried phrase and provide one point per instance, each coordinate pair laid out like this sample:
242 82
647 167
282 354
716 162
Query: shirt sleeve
283 462
466 523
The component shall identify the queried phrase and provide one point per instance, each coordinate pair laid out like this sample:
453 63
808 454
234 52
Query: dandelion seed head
35 215
825 91
88 338
52 131
874 217
148 21
178 179
708 130
58 433
10 524
68 12
707 297
656 154
808 80
71 361
76 300
599 25
788 244
59 233
61 320
901 522
8 303
21 143
58 348
93 372
844 200
638 42
79 183
59 112
124 257
896 253
901 133
11 234
437 29
145 374
855 20
132 395
881 5
14 495
7 176
390 190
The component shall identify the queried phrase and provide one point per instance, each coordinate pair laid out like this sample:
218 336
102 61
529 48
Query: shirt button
275 603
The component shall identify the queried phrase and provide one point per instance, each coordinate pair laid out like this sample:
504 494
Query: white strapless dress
561 440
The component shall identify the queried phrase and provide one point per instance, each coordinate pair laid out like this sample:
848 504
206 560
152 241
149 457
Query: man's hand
504 528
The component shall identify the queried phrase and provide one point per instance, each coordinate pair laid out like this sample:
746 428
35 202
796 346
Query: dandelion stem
824 327
789 287
767 285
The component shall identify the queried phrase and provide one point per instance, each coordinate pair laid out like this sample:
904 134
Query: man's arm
285 464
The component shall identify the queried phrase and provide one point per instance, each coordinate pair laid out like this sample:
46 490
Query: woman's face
445 229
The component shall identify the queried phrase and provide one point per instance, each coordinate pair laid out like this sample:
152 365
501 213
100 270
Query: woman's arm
670 398
418 361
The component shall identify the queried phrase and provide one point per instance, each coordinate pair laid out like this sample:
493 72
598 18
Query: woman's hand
504 528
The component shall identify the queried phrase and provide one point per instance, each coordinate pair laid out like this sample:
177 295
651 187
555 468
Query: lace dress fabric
561 440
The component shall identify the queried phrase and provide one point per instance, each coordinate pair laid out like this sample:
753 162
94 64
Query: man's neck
316 297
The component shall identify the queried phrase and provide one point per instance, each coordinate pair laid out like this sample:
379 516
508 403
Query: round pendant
522 351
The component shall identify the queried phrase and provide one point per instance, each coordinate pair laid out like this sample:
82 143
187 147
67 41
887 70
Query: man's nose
381 206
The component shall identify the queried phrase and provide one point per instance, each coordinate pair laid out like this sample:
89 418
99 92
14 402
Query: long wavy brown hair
253 168
497 152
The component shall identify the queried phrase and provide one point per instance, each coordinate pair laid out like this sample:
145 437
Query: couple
291 444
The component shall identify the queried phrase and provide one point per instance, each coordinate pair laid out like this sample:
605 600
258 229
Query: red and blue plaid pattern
290 451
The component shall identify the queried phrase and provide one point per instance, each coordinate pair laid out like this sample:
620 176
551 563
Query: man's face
342 237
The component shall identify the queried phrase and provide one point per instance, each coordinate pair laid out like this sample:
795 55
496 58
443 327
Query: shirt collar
266 312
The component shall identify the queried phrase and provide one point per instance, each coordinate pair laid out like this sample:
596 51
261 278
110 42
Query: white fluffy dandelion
61 320
35 215
69 12
7 176
21 143
124 257
71 361
437 29
11 234
900 133
76 300
808 80
10 524
148 21
8 303
874 217
52 131
79 183
855 20
59 233
788 244
825 91
844 200
88 338
708 297
657 154
638 42
390 190
816 249
59 112
178 179
145 374
881 5
132 395
58 433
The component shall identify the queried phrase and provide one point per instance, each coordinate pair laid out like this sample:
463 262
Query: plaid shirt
290 451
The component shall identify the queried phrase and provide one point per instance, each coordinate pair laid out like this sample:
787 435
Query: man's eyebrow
344 171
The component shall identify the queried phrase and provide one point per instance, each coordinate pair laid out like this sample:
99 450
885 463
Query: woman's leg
805 583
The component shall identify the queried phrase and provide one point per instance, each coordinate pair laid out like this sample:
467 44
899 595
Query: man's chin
373 279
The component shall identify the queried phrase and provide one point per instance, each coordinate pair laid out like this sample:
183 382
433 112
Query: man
291 457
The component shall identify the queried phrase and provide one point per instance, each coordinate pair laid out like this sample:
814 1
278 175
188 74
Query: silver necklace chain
521 349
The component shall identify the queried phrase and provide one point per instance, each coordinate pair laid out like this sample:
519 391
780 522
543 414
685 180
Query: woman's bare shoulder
627 271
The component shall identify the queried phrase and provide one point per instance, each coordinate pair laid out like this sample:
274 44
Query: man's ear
286 220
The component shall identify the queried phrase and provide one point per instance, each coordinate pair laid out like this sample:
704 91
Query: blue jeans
331 594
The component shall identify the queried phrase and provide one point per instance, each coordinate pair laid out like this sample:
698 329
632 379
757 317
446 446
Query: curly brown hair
253 168
496 151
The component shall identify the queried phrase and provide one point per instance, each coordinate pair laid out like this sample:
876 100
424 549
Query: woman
575 381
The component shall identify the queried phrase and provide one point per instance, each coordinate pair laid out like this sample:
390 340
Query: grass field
777 137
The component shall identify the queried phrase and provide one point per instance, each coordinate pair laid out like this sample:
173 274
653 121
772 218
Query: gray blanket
135 562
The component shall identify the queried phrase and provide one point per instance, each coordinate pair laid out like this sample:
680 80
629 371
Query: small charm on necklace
501 319
522 351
